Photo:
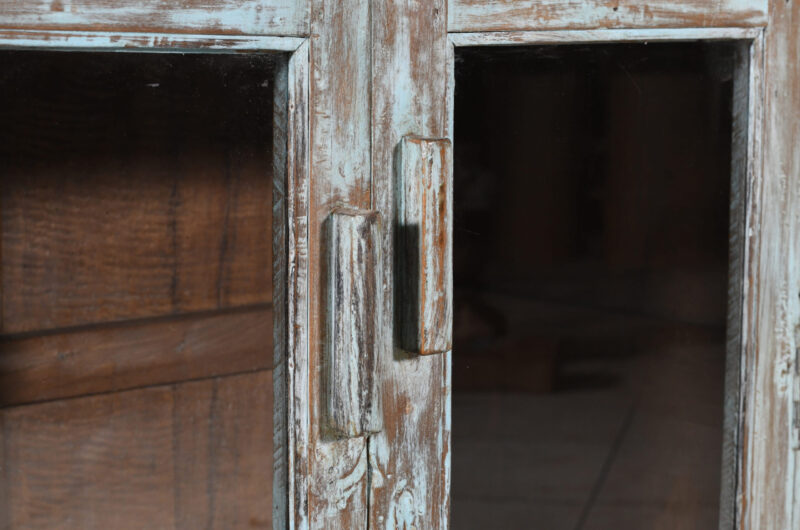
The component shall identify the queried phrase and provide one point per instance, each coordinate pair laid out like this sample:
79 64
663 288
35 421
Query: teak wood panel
195 455
133 354
510 15
261 17
140 188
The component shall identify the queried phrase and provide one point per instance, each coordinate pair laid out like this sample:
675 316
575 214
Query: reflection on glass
591 253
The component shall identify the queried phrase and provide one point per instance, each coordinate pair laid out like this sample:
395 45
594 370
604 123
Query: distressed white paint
751 356
340 138
107 41
409 479
256 17
354 324
290 280
511 38
499 15
424 246
770 490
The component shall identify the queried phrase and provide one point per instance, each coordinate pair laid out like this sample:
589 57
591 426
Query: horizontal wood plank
140 188
131 42
261 17
196 455
510 15
132 355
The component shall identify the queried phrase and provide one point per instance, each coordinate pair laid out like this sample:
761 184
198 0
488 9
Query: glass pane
136 338
592 192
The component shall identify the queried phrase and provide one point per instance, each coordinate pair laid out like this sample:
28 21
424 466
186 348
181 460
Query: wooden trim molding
144 42
219 17
291 293
770 441
515 15
745 453
511 38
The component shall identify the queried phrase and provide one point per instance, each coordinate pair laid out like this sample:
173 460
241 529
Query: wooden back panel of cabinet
136 346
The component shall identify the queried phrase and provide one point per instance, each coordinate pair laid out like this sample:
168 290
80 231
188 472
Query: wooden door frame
339 150
290 214
744 207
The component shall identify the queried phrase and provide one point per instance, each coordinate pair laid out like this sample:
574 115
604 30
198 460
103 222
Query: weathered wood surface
109 41
140 188
354 324
260 17
770 481
195 455
511 38
504 15
410 458
424 245
290 288
339 115
132 355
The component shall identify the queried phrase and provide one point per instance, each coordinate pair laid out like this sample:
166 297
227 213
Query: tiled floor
639 451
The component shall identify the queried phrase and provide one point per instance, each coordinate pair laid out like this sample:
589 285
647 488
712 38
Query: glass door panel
591 228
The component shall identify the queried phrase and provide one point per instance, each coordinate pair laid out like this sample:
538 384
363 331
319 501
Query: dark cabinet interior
136 346
592 195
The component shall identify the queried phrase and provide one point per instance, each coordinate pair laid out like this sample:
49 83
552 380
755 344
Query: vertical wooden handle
424 245
353 322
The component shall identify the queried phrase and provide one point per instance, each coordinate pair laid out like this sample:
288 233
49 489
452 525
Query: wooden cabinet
168 175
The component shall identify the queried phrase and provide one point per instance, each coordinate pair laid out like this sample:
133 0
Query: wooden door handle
354 302
424 245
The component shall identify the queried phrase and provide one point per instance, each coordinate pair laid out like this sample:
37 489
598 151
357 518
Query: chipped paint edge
264 17
291 376
510 38
742 346
483 15
144 42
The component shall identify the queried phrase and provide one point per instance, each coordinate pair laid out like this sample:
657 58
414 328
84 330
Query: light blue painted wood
254 17
180 43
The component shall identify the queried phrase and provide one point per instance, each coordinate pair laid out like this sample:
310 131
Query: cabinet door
531 222
136 358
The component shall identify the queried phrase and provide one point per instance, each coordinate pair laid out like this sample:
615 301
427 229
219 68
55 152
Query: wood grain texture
409 459
132 355
512 38
339 118
290 281
742 120
195 455
504 15
424 245
140 188
175 43
770 485
354 324
260 17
